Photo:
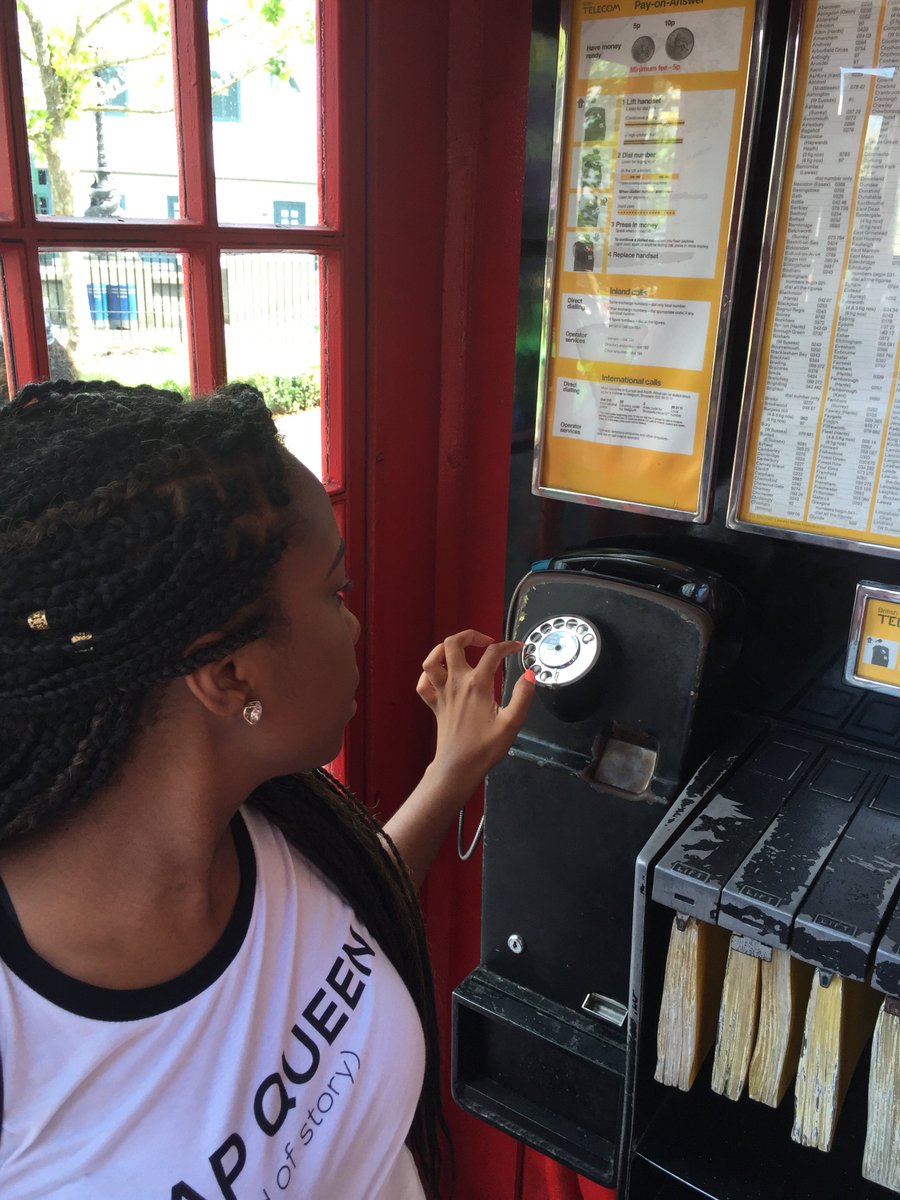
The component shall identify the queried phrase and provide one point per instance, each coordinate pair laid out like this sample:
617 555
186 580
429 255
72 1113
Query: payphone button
838 780
778 760
827 702
881 717
888 798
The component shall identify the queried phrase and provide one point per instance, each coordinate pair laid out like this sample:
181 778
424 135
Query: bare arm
473 733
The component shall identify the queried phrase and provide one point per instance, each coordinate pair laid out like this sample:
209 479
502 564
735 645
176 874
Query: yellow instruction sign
878 658
873 649
651 133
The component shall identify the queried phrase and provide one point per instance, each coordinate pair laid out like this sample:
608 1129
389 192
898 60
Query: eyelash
345 589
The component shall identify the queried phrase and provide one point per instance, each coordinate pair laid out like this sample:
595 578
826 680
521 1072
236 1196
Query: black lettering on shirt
285 1104
360 949
302 1076
319 1020
217 1161
342 986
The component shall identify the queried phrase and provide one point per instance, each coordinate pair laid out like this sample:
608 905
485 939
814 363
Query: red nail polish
529 675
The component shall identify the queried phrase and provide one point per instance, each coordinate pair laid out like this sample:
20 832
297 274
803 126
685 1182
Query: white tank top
287 1063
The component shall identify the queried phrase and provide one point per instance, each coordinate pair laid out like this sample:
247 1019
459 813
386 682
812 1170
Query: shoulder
277 857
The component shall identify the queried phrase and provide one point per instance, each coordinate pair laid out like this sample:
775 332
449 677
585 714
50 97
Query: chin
327 752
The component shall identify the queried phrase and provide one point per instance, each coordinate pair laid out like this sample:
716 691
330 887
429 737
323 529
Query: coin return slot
623 762
607 1010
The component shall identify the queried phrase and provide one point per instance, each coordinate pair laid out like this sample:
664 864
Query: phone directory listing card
819 443
873 653
655 104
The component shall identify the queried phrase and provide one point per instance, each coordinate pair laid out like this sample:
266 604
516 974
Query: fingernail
529 675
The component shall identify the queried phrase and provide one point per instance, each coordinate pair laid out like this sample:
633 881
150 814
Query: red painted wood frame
198 236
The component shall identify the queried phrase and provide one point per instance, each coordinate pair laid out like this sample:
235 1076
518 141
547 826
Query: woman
213 978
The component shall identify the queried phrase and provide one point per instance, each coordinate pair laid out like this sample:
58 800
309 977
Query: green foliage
273 11
169 385
282 393
288 393
155 15
277 66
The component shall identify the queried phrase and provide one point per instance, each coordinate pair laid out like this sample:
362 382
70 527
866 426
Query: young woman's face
311 658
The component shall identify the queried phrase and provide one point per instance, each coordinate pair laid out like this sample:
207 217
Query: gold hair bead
38 620
77 638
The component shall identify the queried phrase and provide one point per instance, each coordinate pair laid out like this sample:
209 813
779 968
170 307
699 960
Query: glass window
226 99
40 186
207 292
91 136
118 314
273 339
266 122
289 212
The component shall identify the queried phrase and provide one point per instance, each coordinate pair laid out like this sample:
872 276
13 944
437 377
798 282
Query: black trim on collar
113 1004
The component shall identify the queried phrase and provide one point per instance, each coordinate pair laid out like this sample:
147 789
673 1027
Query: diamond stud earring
252 712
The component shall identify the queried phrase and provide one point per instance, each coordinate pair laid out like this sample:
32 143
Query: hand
473 731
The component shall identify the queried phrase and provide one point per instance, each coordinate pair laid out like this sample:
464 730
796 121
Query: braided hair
131 523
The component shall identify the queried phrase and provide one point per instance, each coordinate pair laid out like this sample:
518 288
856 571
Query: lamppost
104 197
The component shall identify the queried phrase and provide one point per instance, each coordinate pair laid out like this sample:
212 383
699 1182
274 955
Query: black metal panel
841 917
886 972
763 896
692 873
559 873
539 1072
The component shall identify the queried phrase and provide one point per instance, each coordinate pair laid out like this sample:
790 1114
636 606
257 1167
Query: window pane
265 111
272 339
100 107
116 315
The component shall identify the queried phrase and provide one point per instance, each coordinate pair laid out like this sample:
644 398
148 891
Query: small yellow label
879 643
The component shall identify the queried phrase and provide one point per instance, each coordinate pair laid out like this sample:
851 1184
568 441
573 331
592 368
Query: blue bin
98 304
121 302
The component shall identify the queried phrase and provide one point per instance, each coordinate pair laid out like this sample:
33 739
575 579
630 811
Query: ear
220 686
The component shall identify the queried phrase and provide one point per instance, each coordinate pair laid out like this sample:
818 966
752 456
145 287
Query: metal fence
142 292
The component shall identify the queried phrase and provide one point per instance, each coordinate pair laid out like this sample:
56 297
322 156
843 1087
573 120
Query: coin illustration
679 44
643 49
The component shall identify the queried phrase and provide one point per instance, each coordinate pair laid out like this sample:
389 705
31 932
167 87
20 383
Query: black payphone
629 649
